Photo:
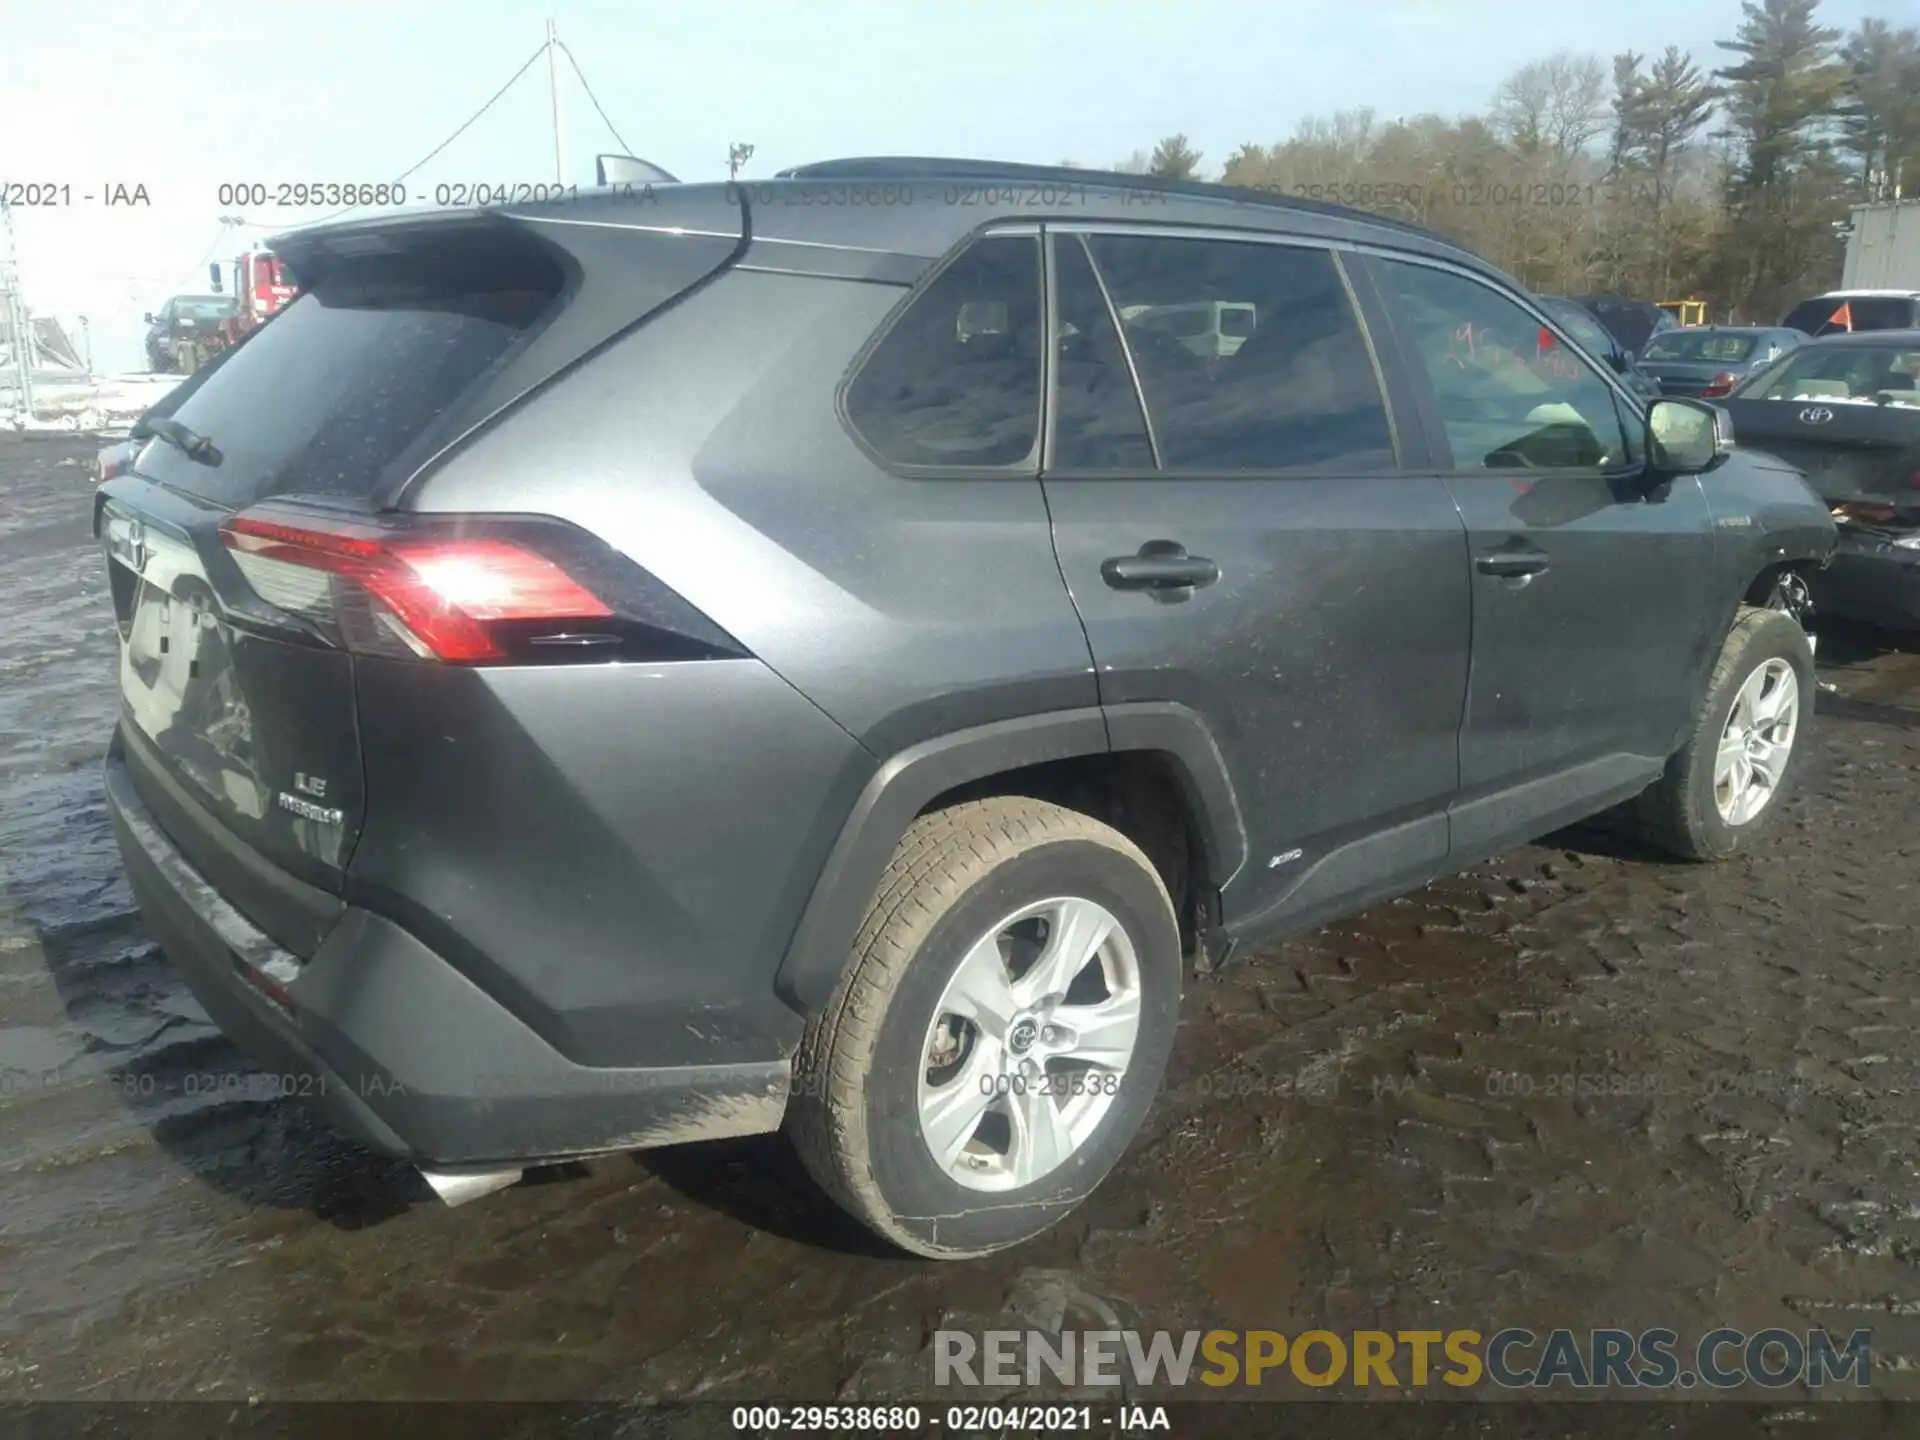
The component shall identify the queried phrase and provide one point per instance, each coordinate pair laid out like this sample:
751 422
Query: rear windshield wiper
191 443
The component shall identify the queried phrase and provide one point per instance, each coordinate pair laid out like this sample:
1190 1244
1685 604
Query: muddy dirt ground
1365 1128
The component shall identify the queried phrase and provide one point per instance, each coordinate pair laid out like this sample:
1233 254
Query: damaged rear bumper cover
400 1049
1870 578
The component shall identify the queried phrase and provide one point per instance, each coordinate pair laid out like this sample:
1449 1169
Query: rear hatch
1847 449
1686 362
259 542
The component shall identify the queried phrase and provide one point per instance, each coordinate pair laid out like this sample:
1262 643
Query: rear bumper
1868 579
400 1049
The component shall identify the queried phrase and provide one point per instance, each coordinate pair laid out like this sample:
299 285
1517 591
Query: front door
1250 547
1592 603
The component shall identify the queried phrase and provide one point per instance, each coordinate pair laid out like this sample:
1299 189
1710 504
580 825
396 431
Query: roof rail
925 167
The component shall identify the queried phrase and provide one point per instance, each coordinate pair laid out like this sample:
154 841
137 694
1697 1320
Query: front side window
1299 393
1509 394
956 380
1584 328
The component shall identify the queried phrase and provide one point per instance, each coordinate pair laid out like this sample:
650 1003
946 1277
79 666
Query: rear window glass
1838 315
340 391
1860 374
1692 345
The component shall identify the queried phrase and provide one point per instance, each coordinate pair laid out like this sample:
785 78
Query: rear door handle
1513 564
1160 565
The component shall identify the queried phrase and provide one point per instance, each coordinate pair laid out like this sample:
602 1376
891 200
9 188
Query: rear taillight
108 464
1721 384
471 591
1913 481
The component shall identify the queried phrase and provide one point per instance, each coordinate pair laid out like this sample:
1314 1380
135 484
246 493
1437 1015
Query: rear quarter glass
345 389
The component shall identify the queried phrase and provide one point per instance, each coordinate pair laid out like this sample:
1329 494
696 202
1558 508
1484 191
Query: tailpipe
457 1187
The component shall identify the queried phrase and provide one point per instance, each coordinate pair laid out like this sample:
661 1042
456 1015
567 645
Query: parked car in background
1843 312
1631 322
565 783
185 332
1709 360
1211 329
1846 411
1585 327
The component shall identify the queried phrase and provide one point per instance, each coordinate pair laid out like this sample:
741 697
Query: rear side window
1097 423
1300 393
342 390
956 380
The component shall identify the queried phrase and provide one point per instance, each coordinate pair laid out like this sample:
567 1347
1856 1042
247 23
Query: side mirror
213 273
148 317
1688 437
1620 361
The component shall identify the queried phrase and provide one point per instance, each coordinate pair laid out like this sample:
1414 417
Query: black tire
957 872
1678 813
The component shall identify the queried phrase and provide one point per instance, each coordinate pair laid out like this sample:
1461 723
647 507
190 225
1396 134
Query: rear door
1592 607
1249 547
238 718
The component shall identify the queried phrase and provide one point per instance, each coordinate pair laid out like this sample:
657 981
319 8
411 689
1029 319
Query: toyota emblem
1815 415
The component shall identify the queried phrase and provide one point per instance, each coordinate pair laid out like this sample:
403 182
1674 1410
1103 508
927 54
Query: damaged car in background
1846 411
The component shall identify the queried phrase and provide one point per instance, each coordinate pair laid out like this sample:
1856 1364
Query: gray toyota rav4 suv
818 653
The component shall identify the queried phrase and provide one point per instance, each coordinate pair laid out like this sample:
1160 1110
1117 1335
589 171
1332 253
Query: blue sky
182 97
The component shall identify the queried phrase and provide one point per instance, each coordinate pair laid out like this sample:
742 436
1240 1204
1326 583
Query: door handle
1160 565
1513 564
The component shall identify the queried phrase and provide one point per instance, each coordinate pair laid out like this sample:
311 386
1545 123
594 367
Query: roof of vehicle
1865 295
919 207
1866 339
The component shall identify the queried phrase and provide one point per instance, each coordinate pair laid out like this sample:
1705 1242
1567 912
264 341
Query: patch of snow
107 405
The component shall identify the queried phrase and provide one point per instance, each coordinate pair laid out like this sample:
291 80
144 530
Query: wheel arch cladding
907 783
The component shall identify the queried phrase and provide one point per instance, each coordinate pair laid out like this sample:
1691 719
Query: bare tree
1555 106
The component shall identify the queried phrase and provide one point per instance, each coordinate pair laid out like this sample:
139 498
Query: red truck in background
261 289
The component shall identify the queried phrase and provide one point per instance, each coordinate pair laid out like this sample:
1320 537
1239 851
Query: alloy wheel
1029 1044
1756 742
